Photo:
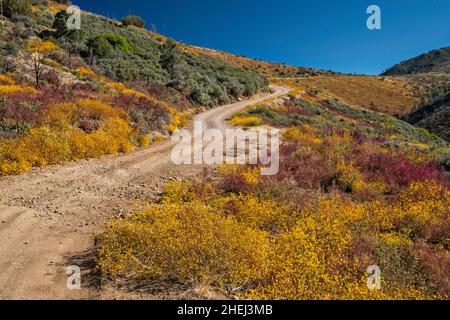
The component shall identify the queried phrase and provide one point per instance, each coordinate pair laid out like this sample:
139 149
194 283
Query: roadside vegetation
355 188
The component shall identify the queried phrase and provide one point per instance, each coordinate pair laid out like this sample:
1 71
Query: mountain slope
437 61
434 117
353 188
100 90
429 74
393 96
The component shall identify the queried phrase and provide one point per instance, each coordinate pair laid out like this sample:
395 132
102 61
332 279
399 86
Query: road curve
50 216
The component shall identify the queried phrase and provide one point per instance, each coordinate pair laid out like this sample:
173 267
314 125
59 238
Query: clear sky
322 34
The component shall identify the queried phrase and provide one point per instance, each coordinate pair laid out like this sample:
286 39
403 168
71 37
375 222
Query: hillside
434 117
269 69
355 186
429 76
393 96
106 84
437 61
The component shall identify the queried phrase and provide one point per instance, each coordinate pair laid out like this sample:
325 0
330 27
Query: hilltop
436 61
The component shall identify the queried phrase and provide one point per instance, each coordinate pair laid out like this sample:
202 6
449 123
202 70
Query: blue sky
316 33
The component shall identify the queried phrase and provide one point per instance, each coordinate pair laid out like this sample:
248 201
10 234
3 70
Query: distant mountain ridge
431 70
437 61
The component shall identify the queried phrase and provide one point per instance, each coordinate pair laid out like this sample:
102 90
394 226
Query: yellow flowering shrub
6 79
61 140
39 147
424 203
395 239
311 260
251 121
96 109
84 71
226 169
36 45
278 251
187 242
177 192
306 139
61 115
348 177
339 144
144 140
133 92
123 89
116 86
249 175
119 134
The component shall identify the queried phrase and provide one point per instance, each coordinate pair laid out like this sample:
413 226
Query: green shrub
12 8
133 21
100 47
60 24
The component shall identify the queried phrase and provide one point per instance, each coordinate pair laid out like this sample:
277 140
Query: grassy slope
383 94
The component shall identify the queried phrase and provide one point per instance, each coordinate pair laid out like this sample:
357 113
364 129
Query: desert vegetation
108 87
355 188
436 61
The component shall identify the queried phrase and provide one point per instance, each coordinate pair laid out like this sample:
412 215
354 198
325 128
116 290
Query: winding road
50 216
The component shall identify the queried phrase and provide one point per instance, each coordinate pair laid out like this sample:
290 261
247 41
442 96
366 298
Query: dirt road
49 217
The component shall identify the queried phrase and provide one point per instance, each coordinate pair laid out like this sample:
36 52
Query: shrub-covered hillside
355 188
437 61
434 117
394 96
106 88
